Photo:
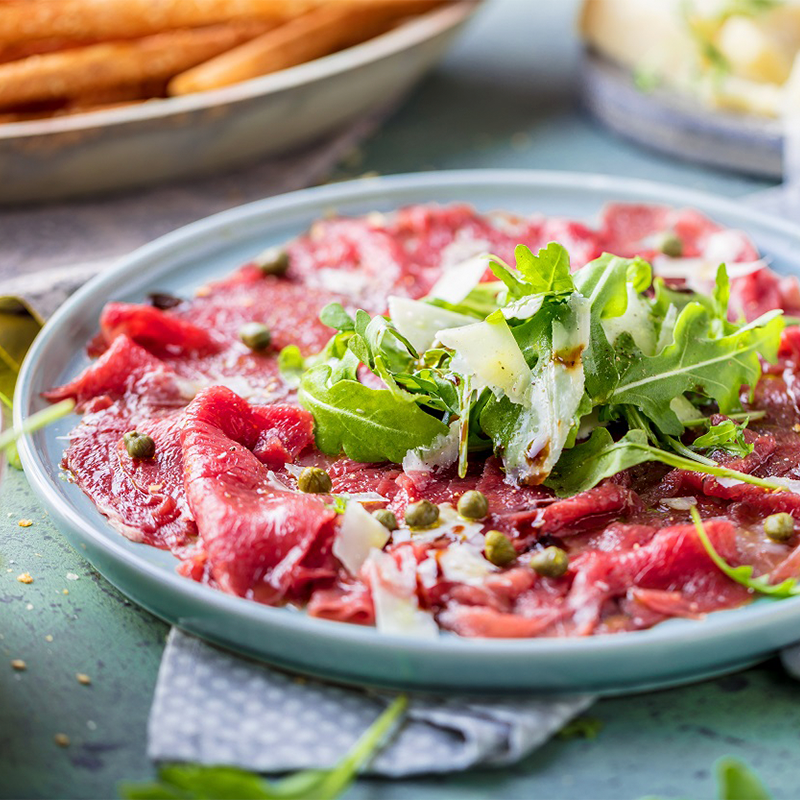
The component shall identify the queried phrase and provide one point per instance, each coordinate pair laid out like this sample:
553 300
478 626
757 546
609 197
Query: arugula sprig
195 782
744 574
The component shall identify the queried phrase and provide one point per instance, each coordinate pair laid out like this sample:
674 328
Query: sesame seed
83 678
49 637
61 739
65 591
71 576
18 664
25 523
25 578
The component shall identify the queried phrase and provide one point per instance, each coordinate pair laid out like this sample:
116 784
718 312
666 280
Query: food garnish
609 351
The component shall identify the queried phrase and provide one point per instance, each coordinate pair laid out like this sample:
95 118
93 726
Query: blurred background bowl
195 135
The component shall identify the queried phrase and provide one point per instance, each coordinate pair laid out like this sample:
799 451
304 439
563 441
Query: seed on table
25 578
18 664
61 739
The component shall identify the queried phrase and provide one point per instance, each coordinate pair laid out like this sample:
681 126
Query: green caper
386 518
552 562
779 527
498 549
314 480
139 445
670 244
473 505
255 335
422 514
273 261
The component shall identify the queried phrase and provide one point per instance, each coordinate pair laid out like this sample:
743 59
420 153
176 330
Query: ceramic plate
674 652
162 140
679 125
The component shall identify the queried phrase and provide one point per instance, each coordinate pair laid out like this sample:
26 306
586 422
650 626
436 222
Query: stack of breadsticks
69 56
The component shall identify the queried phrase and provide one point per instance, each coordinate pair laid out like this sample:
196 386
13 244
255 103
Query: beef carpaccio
220 487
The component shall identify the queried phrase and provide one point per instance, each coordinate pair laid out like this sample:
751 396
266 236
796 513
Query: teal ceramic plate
674 652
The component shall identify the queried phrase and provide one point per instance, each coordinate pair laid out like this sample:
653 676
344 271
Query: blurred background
506 95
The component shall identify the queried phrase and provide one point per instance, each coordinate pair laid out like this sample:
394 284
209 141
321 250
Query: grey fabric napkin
212 707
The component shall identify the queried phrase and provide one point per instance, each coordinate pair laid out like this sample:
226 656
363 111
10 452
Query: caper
314 480
422 514
139 445
779 527
498 549
473 505
255 335
552 562
273 261
670 244
386 518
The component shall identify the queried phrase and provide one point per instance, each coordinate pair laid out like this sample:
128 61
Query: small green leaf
367 425
727 436
581 728
548 271
737 781
195 782
334 316
291 365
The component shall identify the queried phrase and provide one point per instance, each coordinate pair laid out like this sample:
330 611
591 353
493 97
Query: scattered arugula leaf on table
195 782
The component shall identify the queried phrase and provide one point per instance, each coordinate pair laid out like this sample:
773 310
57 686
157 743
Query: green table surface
504 97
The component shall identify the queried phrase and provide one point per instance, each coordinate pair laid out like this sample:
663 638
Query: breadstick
71 73
312 35
23 20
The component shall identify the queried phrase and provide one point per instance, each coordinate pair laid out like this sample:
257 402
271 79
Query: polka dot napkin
212 707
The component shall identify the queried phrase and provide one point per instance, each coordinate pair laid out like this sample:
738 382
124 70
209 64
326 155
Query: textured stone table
505 97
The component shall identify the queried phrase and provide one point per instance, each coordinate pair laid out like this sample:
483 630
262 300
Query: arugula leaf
548 271
334 316
35 422
604 283
744 574
737 781
716 368
291 365
367 425
588 463
544 273
194 782
728 436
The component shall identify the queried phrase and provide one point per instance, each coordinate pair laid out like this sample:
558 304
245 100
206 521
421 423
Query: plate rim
408 35
750 618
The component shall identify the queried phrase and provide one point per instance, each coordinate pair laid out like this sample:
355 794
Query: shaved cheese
489 351
458 280
636 321
419 322
679 503
791 484
464 563
358 533
441 452
394 597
